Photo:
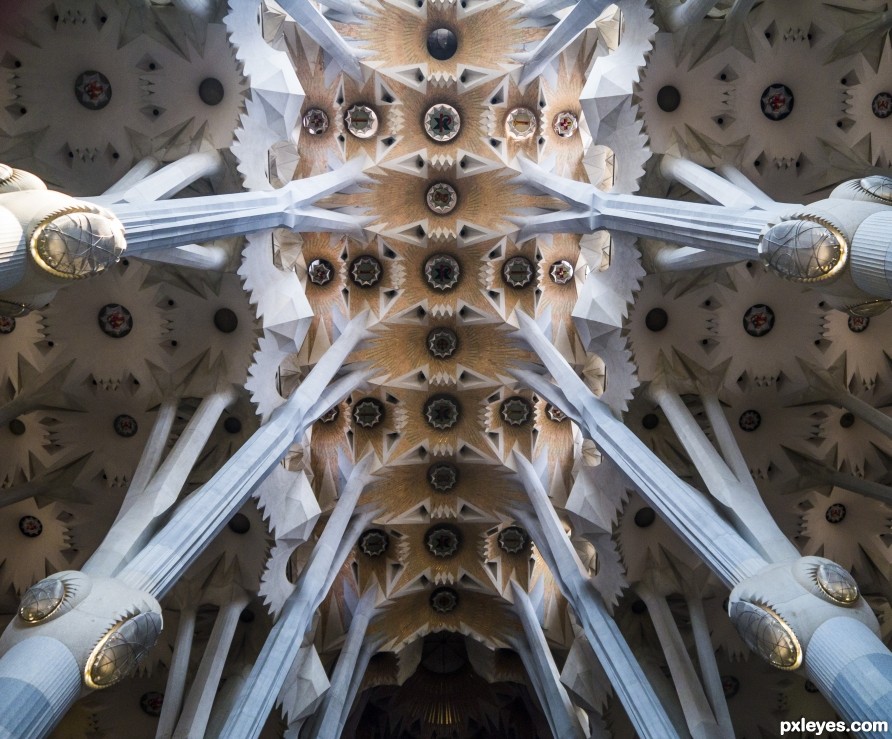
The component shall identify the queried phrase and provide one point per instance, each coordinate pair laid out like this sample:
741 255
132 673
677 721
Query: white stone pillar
543 672
697 711
251 709
168 180
197 708
734 488
688 13
331 716
706 183
176 674
607 642
198 519
143 507
142 169
159 225
561 36
39 680
308 17
709 669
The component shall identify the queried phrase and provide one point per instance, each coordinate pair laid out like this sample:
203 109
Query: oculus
749 420
758 320
521 124
444 600
373 542
561 272
777 102
442 343
565 124
518 272
442 272
442 44
361 121
516 411
365 271
368 413
512 539
441 198
92 90
320 272
442 477
115 320
125 426
881 105
442 412
442 122
442 541
315 121
835 513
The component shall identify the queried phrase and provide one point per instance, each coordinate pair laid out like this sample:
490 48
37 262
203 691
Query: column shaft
176 675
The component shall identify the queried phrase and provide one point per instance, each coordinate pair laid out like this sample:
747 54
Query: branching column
252 707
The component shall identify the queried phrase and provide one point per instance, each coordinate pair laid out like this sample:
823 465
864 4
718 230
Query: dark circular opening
650 421
232 425
225 320
847 420
639 607
645 517
247 616
777 101
668 98
239 523
442 43
92 90
16 427
656 319
210 90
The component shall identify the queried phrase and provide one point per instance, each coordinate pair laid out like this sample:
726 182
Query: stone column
198 519
561 36
39 680
197 708
176 674
168 223
168 180
632 688
143 507
252 707
311 20
706 183
543 672
331 716
688 13
697 711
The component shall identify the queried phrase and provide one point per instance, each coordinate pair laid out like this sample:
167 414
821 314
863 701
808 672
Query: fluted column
197 708
697 711
709 669
849 663
607 642
142 169
561 36
543 672
706 183
142 507
39 680
168 223
685 510
311 20
728 480
198 519
168 180
331 716
176 674
250 711
735 231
